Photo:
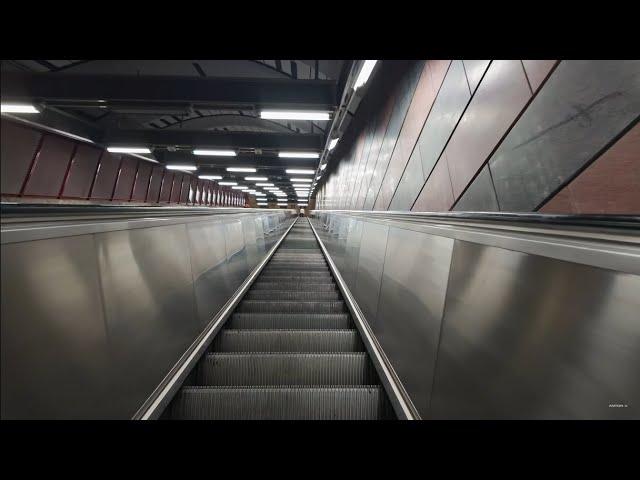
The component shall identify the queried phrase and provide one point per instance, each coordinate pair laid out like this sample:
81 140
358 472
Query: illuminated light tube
332 144
282 204
227 183
365 73
215 153
318 177
210 177
294 115
303 204
303 180
251 191
301 171
17 108
261 194
301 185
256 179
133 150
262 204
240 169
298 155
181 167
264 185
323 166
239 187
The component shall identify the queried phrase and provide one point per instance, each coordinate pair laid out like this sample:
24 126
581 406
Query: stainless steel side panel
370 266
414 285
148 294
236 253
352 253
55 358
530 337
249 233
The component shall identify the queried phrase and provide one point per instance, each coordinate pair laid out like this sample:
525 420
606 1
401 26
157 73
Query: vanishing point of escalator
290 351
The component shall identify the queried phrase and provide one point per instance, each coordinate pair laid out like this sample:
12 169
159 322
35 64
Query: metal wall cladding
410 184
148 295
480 195
49 169
414 285
249 233
83 168
352 253
18 147
55 354
475 70
236 253
370 265
530 337
583 106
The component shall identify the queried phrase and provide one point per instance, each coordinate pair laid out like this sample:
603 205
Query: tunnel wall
95 314
42 166
497 135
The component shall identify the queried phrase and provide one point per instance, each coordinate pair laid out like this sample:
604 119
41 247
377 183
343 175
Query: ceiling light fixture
240 187
332 144
256 179
298 155
305 180
294 115
17 108
323 166
215 153
365 73
181 167
240 169
264 184
301 171
210 177
227 183
129 150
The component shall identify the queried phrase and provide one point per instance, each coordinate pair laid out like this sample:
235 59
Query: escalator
290 350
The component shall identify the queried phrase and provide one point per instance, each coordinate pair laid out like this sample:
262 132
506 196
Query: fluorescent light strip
294 115
210 177
129 150
262 204
240 169
298 155
181 167
303 204
332 144
227 183
215 153
17 108
305 180
256 179
283 204
301 171
239 187
264 184
323 166
301 185
365 73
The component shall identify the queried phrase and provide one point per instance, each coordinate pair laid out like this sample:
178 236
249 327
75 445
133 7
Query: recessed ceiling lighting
17 108
215 153
305 180
227 183
240 169
365 73
262 204
256 179
301 185
294 115
301 171
261 194
181 167
332 144
298 155
303 204
264 184
129 150
210 177
240 187
282 204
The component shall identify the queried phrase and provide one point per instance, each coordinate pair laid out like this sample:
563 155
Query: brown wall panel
141 182
436 195
19 145
126 178
106 177
498 101
165 187
50 167
537 71
176 189
425 94
154 184
83 168
610 185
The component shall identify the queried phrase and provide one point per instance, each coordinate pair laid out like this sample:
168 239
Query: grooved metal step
253 369
281 403
288 295
282 285
298 278
289 321
260 306
285 273
306 341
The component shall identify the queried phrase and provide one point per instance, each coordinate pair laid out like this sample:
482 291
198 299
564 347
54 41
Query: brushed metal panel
410 184
50 167
55 360
474 70
142 180
530 337
260 241
207 248
83 168
149 303
414 285
480 196
352 253
237 267
583 106
537 71
18 146
249 233
445 113
106 176
370 264
437 194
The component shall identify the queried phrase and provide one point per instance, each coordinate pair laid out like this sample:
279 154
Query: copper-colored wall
481 135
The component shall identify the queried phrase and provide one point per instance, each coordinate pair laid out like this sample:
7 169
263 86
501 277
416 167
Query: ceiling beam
282 93
204 139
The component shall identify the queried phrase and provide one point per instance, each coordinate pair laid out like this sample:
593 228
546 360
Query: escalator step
284 273
307 341
253 369
297 278
260 306
290 321
281 403
288 295
282 285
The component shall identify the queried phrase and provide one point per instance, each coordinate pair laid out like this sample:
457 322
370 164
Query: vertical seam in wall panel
502 138
34 159
68 169
526 76
95 175
115 185
464 69
588 163
493 187
135 179
146 194
418 139
384 262
442 320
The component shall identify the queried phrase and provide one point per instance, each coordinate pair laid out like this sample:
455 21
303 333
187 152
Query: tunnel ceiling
174 106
